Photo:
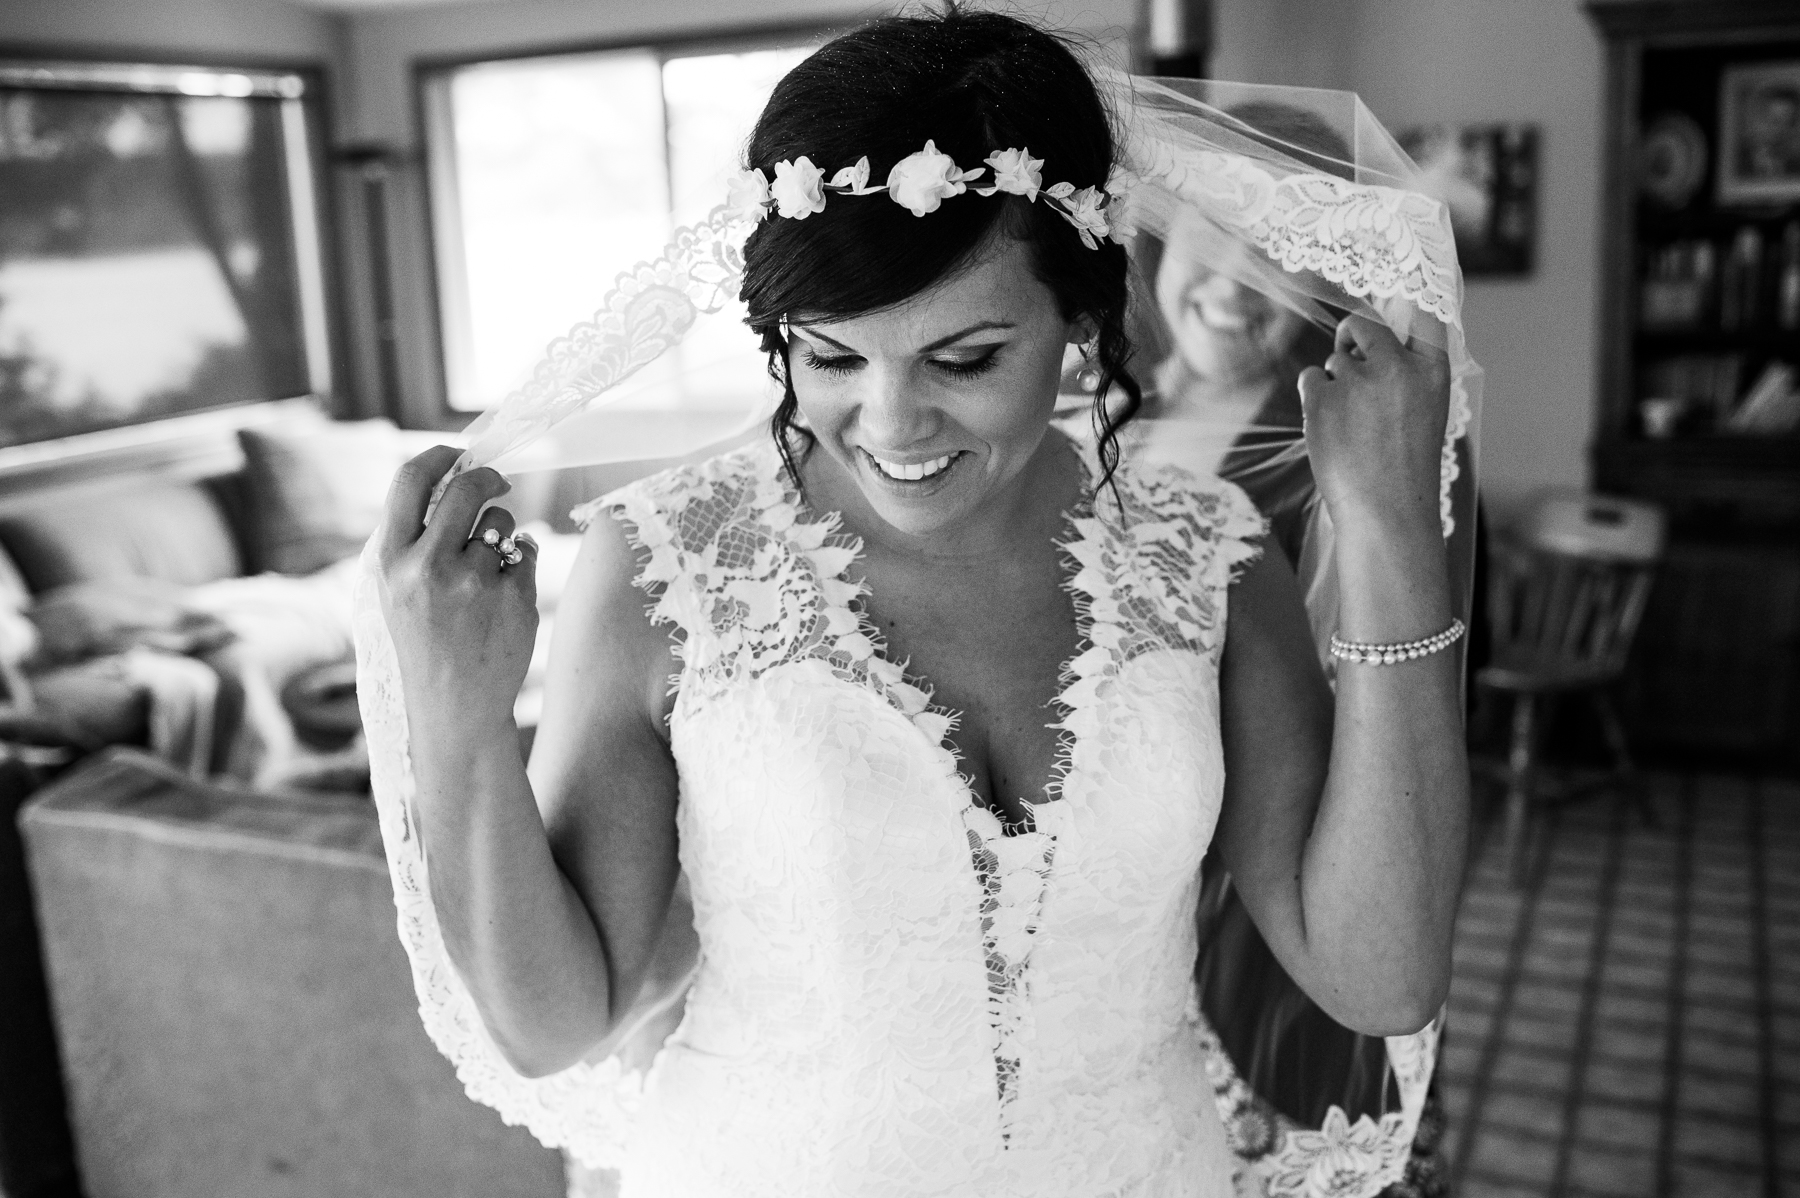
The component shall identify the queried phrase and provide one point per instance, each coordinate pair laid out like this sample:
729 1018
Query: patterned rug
1627 1022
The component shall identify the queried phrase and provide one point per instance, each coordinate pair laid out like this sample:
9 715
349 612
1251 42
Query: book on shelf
1708 382
1772 405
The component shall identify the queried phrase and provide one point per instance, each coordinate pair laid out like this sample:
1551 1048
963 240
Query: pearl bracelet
1373 654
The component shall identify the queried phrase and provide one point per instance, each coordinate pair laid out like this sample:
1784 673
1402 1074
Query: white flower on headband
1119 185
1083 211
854 180
797 191
748 196
1016 172
924 179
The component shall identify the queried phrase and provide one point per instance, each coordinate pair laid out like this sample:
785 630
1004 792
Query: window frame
202 443
436 156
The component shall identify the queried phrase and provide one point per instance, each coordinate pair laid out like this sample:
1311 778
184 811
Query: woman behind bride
937 708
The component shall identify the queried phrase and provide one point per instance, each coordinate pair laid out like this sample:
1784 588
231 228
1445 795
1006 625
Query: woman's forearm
1383 865
513 925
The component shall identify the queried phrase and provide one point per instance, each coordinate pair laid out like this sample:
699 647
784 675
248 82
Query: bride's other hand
463 622
1375 415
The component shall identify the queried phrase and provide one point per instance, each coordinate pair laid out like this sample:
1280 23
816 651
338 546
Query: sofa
235 1012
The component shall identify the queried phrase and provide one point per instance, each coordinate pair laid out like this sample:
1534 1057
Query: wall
1420 61
1253 42
249 31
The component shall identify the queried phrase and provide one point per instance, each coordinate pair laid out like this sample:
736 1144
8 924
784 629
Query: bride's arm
1346 828
550 890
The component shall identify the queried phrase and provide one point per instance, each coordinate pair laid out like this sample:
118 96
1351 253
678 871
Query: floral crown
919 182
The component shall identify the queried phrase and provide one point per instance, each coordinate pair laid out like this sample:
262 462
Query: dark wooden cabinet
1716 667
1715 663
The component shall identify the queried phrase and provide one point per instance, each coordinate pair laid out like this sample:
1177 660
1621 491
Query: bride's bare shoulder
637 542
609 652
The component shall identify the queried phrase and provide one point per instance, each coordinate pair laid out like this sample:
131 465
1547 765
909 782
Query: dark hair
973 83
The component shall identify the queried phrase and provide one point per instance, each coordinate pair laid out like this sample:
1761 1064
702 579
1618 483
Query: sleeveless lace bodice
895 995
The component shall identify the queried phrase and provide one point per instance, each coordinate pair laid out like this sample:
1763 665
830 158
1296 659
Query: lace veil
1210 171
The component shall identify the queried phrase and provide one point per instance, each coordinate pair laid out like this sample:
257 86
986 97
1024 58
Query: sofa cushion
317 487
94 619
90 703
171 531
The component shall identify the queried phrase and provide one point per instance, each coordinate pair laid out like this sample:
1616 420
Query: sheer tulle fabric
1297 1090
1006 986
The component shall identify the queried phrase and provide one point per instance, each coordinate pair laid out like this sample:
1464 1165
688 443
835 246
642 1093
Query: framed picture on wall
1759 133
1486 174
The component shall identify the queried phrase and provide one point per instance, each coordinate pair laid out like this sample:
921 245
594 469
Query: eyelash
845 365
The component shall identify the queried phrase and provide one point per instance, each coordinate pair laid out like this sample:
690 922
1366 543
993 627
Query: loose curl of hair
974 83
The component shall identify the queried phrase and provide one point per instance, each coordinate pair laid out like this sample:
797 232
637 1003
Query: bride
934 708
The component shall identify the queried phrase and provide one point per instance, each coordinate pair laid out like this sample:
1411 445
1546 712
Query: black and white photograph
1759 133
899 599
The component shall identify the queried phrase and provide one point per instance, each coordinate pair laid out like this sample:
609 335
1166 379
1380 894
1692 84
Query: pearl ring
509 551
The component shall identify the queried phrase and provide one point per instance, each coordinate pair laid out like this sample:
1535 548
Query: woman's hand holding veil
463 618
461 610
1375 414
1349 854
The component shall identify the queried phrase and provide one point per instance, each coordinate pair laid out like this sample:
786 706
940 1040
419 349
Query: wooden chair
1566 590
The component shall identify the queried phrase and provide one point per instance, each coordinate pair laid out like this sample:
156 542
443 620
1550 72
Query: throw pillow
317 487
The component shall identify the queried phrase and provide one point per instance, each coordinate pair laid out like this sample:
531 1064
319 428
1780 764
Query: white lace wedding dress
896 995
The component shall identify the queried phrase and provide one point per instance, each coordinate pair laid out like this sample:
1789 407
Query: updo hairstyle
973 83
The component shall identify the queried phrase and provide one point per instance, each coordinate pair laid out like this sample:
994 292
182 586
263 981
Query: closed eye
846 363
967 367
839 365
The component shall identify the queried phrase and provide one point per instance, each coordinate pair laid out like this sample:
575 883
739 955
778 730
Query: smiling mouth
1221 319
911 472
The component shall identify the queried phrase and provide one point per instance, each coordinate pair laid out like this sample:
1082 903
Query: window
552 175
158 246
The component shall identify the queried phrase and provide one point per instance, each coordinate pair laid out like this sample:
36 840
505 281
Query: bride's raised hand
463 619
1375 414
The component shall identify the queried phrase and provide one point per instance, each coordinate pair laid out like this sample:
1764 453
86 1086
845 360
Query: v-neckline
1069 678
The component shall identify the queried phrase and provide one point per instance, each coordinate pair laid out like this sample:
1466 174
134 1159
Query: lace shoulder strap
751 580
1157 554
747 583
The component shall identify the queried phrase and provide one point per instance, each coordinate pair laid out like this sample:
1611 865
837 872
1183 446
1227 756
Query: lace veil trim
1386 244
1286 1159
588 1109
